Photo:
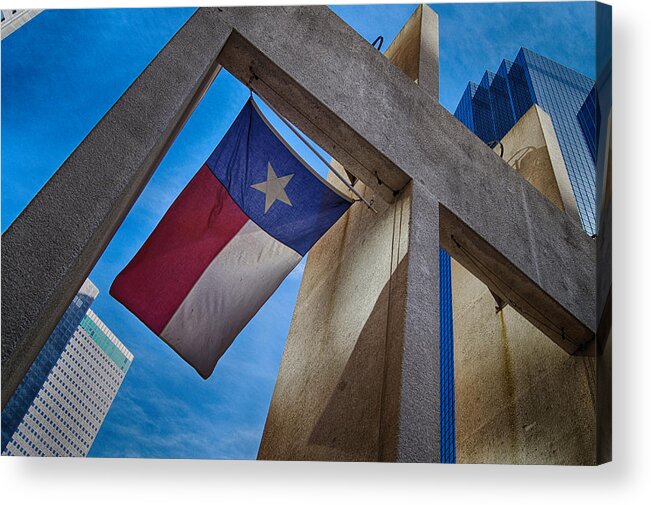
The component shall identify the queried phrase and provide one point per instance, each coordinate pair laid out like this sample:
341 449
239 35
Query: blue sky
63 71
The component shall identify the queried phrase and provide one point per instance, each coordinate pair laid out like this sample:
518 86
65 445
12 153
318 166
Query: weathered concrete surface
328 394
386 130
359 378
604 412
51 247
531 147
520 399
411 403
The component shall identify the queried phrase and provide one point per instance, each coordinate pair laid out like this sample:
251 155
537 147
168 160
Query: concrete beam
410 427
50 249
386 131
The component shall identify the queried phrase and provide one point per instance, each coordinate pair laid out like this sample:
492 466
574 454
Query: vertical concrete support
415 50
49 250
420 410
359 378
410 414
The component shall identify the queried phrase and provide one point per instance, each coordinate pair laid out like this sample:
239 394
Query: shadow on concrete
350 422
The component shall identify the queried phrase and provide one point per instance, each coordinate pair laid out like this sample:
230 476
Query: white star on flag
273 188
228 259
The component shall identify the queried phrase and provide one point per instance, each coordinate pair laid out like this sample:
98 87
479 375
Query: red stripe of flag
198 225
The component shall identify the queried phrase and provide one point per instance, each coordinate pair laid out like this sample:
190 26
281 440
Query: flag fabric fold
239 227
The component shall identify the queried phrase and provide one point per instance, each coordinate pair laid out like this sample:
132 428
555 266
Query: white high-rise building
63 400
12 19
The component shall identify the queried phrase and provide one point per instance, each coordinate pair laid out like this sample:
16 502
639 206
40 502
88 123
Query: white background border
627 480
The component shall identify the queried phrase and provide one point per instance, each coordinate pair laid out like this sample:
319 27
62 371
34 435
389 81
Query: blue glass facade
503 113
590 119
482 110
448 425
521 94
19 403
464 109
561 92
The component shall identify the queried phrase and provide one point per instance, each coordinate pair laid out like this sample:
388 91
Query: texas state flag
241 225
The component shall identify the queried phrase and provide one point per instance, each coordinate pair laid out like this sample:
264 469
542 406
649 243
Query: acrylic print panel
455 314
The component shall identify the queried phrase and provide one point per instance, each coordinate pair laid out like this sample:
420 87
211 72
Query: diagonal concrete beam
52 246
386 131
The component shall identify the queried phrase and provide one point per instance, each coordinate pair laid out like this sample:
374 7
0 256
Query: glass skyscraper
492 107
446 333
589 117
63 399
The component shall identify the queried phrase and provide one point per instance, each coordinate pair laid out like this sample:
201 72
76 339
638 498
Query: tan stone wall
328 396
519 397
404 51
531 147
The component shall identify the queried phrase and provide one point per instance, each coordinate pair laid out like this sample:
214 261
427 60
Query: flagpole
305 141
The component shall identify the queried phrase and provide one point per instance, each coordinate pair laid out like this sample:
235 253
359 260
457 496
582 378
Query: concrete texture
359 377
51 247
411 409
328 394
386 130
519 398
